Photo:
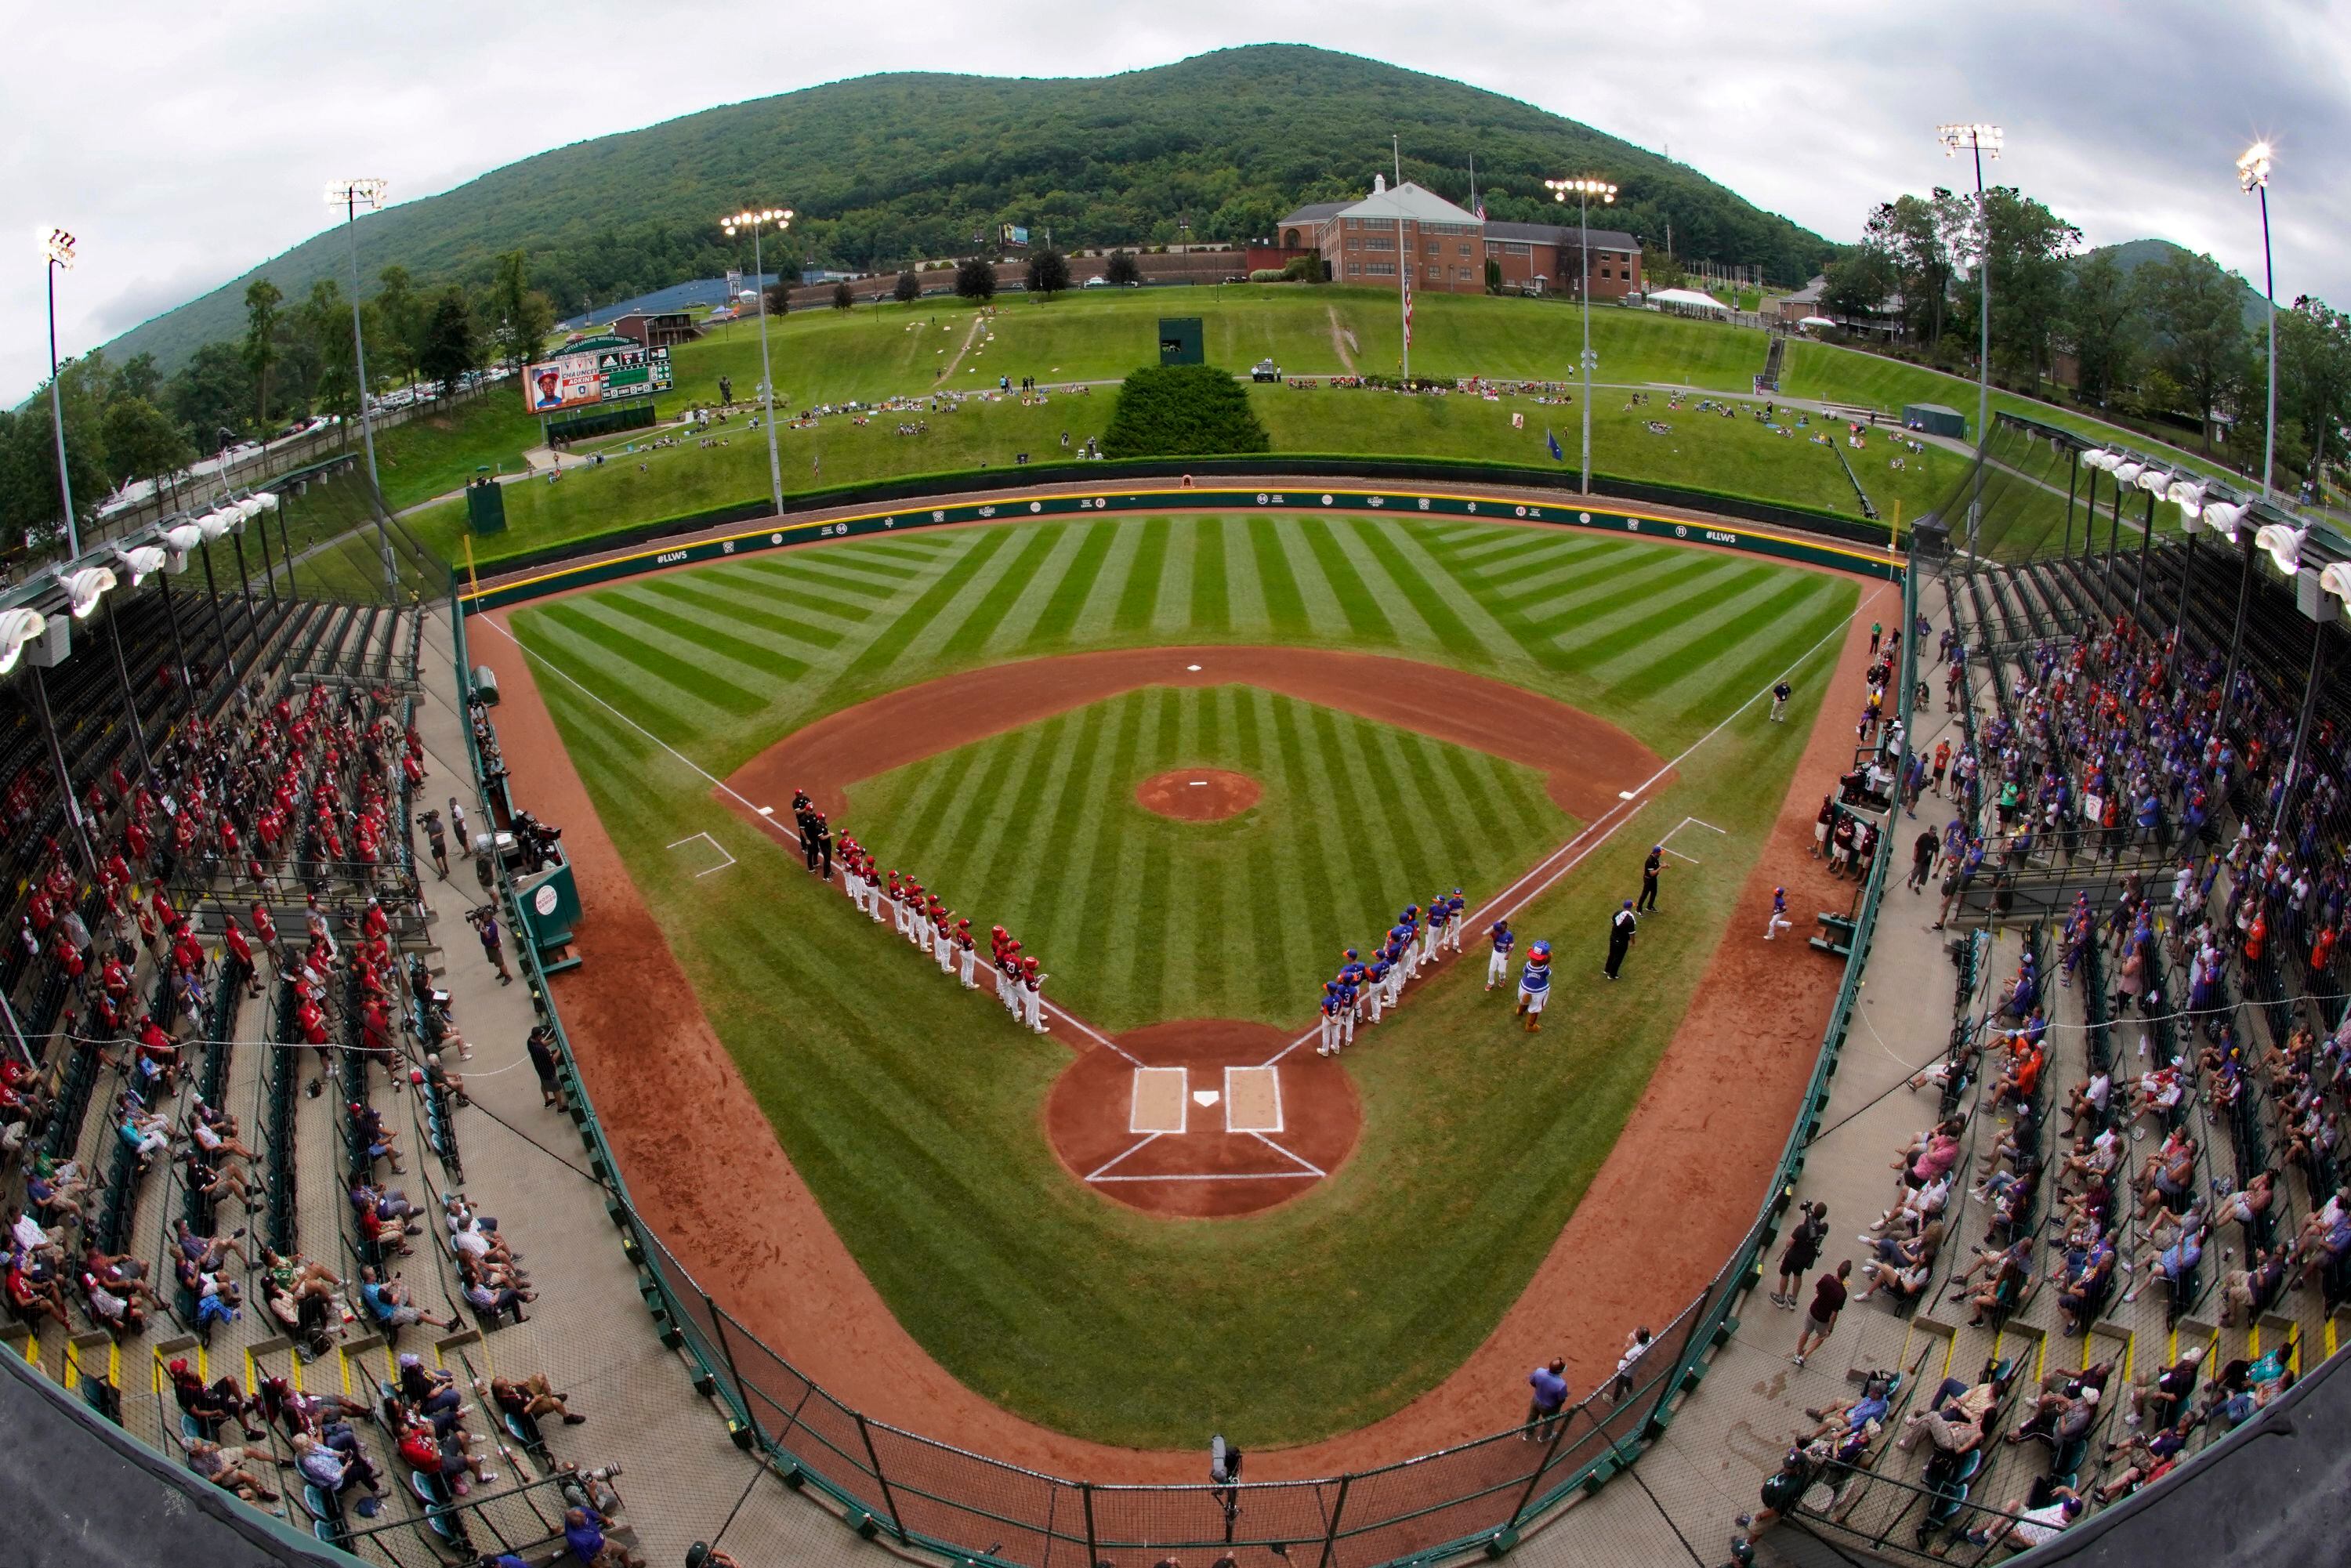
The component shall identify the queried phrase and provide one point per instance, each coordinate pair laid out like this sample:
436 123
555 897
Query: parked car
1095 282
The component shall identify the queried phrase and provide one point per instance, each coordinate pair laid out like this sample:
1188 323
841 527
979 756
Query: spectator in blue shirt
1549 1384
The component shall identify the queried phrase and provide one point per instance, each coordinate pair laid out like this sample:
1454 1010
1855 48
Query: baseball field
917 1113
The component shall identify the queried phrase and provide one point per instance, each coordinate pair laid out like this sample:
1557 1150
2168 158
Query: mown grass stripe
1426 802
1744 680
747 579
1066 812
986 613
1212 610
1671 661
813 574
896 637
704 636
1673 612
696 685
1060 613
1285 606
1641 585
685 593
867 558
1140 594
1445 623
1365 620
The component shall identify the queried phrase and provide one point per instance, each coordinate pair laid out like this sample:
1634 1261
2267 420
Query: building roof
1411 203
1565 235
1810 294
1314 212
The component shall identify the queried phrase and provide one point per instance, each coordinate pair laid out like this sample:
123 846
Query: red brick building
1448 248
656 330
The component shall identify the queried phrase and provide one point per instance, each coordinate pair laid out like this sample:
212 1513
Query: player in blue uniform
1777 921
1534 986
1440 916
1458 910
1498 967
1330 1018
1348 996
1375 986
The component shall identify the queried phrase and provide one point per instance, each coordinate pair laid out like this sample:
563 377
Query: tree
524 315
1183 411
1048 273
447 351
28 461
841 297
136 377
142 442
1123 269
326 323
976 280
401 311
262 299
213 391
2101 322
908 289
2195 315
1659 268
778 298
2314 375
1914 235
1859 283
2031 250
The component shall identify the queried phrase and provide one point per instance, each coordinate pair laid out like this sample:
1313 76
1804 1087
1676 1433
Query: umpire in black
1622 925
1649 870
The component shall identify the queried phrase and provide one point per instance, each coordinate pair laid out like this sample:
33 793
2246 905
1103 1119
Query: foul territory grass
916 1121
1213 918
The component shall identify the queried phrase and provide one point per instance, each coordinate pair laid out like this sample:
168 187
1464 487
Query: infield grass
1238 918
916 1118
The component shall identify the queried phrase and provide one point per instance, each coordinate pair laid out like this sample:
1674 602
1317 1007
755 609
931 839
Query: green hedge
1184 410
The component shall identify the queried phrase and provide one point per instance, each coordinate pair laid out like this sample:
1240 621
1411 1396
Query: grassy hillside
1229 140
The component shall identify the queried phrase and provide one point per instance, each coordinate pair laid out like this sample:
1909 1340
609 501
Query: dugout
1935 419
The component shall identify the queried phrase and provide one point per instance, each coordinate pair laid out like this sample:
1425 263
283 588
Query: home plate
1194 668
1204 1097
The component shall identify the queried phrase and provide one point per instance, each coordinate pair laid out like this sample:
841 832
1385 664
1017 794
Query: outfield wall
558 579
930 1496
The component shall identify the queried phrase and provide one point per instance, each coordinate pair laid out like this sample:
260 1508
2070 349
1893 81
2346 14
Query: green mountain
2131 253
884 169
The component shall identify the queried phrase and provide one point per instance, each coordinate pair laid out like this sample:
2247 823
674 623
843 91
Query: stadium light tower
758 221
352 195
1585 190
2254 176
57 251
1983 140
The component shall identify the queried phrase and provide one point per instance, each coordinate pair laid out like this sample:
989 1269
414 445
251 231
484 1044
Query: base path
1198 794
1677 1188
1586 759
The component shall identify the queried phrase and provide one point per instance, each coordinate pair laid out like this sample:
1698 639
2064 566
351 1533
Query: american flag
1408 305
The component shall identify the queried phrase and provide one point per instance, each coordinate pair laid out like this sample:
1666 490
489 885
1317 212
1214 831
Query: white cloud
183 145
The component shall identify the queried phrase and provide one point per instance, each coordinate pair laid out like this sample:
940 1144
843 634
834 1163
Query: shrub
1268 274
1183 411
1123 269
976 280
908 289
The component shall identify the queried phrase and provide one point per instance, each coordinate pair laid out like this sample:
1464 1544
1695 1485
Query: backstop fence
932 1496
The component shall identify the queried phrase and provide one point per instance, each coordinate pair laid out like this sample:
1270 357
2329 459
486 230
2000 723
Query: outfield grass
917 1124
1214 919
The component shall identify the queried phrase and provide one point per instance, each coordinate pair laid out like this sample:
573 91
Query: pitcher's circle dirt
1198 794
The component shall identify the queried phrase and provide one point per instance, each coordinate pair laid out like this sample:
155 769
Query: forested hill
888 168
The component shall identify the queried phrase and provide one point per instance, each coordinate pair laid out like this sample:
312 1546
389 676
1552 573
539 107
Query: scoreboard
598 371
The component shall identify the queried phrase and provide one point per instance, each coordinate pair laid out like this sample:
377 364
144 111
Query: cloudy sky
182 144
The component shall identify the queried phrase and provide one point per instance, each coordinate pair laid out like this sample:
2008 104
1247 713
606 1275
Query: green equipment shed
1935 419
1179 340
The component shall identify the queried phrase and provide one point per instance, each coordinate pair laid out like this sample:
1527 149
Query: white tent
1815 323
1688 299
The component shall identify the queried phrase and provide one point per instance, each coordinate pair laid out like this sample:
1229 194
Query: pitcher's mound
1198 794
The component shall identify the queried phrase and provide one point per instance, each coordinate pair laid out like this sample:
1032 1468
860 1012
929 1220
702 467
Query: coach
1621 927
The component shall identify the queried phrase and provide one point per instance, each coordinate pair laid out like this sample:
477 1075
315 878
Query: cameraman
437 839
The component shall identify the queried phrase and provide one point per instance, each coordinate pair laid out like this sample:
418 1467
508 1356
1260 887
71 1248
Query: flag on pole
1556 455
1407 304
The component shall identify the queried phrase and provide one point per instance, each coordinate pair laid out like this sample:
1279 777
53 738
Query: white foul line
725 860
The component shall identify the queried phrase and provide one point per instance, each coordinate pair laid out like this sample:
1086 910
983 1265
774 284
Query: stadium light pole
1980 140
351 195
2253 176
756 221
1584 191
57 251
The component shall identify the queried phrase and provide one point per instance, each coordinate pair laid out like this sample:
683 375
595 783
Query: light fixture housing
2254 168
18 627
2126 473
2188 495
1970 138
2284 544
85 588
57 246
2222 517
2335 578
364 192
141 561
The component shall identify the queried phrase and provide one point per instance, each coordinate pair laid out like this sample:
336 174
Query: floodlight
57 246
2153 481
1958 139
2124 472
2334 577
2284 545
1596 190
141 561
2188 495
2222 517
85 588
368 194
2254 168
185 539
18 627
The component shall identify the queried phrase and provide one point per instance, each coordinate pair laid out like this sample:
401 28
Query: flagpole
1403 263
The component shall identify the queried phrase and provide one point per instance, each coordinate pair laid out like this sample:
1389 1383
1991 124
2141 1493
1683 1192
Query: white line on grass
1120 1159
725 860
